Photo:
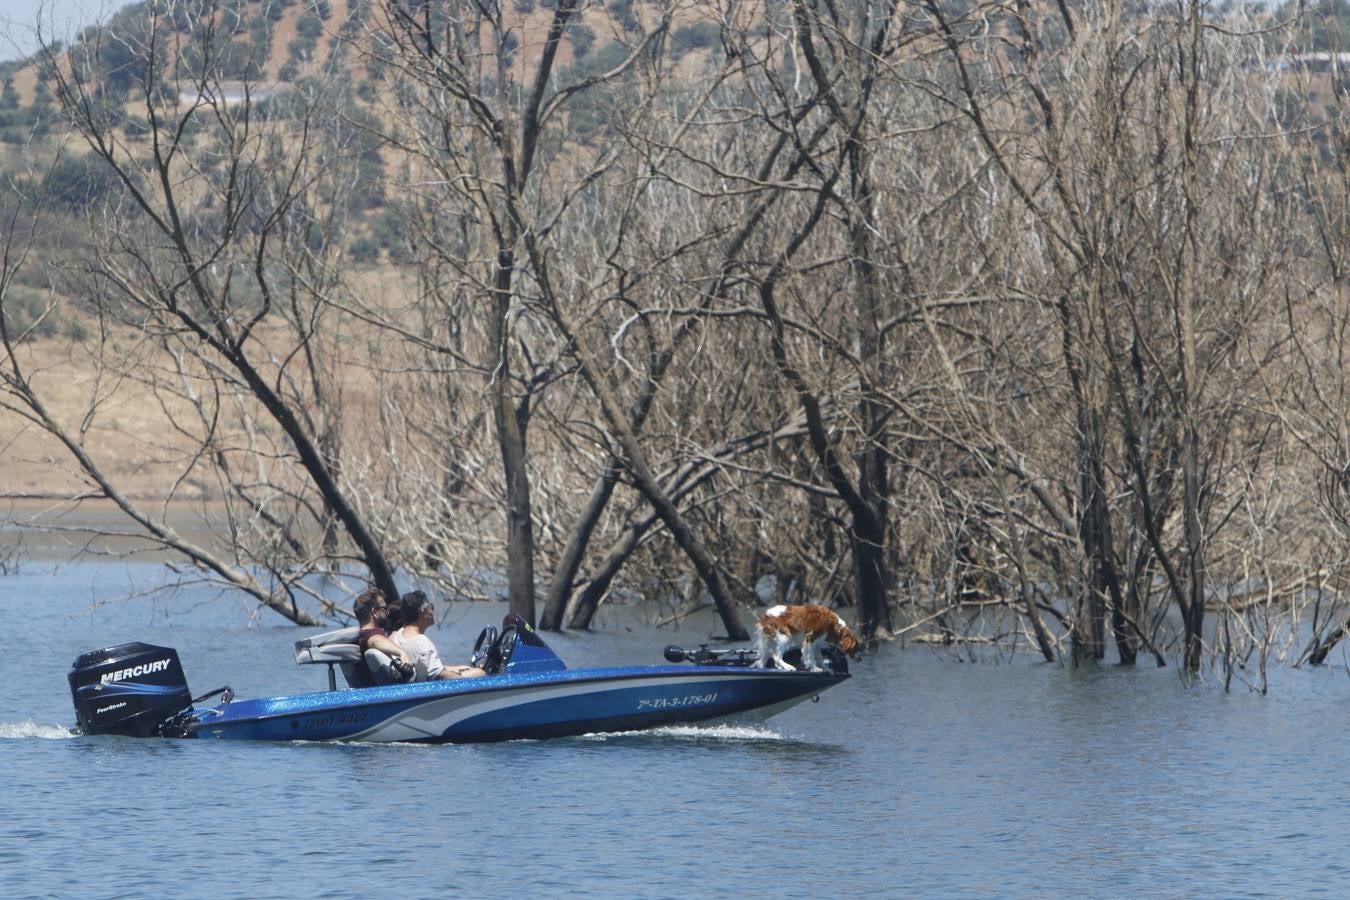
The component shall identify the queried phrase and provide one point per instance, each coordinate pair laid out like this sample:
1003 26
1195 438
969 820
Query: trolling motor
135 689
706 656
831 656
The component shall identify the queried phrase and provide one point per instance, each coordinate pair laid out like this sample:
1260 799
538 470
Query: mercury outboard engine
133 689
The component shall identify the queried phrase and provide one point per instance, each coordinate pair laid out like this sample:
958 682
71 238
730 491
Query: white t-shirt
422 651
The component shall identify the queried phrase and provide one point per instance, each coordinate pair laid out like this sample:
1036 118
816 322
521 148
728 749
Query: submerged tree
938 312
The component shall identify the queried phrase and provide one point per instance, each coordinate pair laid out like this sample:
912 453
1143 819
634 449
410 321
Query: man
371 615
419 614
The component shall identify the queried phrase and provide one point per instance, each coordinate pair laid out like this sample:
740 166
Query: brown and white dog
788 626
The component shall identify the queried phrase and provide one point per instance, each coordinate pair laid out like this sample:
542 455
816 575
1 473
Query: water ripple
18 730
917 778
734 733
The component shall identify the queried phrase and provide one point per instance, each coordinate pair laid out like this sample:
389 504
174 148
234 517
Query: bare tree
204 245
1153 310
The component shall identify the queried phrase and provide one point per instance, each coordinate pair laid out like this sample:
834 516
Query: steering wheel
499 653
483 647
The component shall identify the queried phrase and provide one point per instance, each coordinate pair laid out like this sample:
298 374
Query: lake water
922 776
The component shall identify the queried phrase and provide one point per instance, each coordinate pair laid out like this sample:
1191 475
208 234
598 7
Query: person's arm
461 672
443 671
435 668
386 646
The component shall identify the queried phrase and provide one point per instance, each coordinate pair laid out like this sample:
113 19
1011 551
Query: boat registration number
676 702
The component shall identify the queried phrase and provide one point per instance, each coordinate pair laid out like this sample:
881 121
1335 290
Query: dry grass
128 435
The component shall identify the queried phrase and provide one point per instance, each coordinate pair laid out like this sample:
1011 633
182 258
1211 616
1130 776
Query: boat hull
518 706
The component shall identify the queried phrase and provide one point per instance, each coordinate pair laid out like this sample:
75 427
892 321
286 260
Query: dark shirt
370 631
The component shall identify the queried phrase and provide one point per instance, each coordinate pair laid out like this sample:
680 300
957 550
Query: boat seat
336 648
379 665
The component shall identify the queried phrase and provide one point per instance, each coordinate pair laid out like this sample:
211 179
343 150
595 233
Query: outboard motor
133 689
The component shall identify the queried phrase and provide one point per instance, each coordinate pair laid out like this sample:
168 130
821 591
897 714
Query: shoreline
64 528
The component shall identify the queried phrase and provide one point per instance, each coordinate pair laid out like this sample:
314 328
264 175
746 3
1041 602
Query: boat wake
19 730
724 732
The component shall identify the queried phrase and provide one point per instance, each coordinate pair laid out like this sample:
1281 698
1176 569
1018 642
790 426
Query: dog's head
842 638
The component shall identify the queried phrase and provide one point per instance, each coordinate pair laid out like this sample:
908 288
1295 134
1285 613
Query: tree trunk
560 588
510 424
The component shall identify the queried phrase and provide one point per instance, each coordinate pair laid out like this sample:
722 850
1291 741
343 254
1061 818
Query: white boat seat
379 665
336 648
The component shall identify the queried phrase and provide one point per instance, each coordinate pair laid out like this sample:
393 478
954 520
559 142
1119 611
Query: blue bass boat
139 689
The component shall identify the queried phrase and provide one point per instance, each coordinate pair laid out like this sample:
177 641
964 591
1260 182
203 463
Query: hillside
277 46
278 42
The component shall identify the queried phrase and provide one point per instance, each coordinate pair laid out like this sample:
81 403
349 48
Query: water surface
922 776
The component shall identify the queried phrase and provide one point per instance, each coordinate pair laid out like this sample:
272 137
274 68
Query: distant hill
273 44
283 40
